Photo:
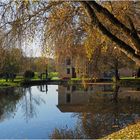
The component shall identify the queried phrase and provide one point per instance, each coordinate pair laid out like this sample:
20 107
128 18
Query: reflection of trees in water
102 116
116 92
29 104
9 97
105 117
43 88
67 133
100 120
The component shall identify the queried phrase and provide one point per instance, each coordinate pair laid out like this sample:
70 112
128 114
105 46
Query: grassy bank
124 81
130 132
129 81
15 83
20 79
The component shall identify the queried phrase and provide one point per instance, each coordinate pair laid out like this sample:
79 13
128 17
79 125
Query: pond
58 111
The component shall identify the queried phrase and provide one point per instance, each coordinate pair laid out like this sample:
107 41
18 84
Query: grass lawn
129 81
54 76
129 132
129 78
3 83
19 79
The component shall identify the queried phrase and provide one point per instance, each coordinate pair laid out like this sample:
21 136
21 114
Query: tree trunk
6 77
46 73
117 77
116 90
138 72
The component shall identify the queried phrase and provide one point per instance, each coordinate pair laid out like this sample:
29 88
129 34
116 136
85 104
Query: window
68 98
68 70
68 88
73 88
68 62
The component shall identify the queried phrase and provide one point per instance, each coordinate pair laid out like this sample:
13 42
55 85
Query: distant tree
29 74
113 59
10 62
40 64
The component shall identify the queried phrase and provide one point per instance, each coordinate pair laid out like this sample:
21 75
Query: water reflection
9 97
12 98
88 112
43 88
100 109
29 103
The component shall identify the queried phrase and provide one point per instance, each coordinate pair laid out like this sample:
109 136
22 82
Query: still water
53 111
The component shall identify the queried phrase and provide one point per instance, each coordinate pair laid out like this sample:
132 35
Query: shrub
29 74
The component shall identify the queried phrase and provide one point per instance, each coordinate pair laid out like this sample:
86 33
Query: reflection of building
131 94
98 113
76 99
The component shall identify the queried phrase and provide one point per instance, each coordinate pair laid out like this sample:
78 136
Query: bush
52 74
29 74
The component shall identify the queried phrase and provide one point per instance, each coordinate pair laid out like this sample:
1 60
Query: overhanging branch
133 35
125 48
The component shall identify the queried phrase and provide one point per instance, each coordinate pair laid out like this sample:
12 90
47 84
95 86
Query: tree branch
133 35
125 48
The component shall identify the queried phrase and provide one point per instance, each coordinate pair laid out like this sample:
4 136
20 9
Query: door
73 73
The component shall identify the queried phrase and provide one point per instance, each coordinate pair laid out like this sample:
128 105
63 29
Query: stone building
72 63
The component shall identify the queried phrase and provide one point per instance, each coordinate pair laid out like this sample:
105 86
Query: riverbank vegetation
18 80
53 76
